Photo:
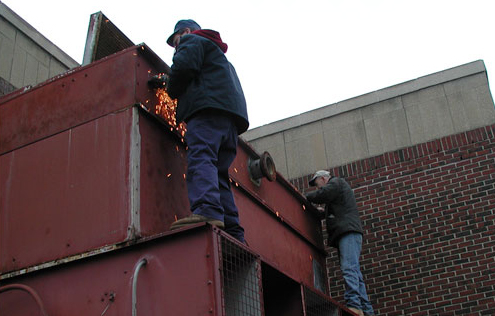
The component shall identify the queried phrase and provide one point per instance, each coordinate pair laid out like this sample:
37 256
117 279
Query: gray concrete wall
26 56
410 113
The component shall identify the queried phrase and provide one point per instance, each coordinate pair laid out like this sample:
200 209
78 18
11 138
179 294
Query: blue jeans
212 147
355 289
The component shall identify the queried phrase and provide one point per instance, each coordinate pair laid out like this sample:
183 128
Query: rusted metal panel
85 167
163 191
114 179
65 194
78 96
280 198
181 277
276 243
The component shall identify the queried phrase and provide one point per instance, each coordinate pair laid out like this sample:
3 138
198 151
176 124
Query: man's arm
325 194
187 63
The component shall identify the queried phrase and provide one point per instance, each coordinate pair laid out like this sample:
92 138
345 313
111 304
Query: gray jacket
341 211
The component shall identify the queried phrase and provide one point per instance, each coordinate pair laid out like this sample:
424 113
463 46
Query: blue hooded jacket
202 79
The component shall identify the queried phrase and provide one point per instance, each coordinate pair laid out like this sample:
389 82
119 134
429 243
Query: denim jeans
212 147
355 289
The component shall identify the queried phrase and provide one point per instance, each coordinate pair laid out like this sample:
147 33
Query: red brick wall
429 218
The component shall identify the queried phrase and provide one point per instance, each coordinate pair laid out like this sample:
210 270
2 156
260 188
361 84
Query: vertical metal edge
134 230
92 38
260 285
303 299
216 256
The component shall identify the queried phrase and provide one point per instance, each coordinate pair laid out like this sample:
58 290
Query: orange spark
166 109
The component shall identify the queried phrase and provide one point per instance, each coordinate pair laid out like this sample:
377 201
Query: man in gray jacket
345 232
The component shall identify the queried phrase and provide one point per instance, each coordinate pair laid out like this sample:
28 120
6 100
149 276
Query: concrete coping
366 99
35 36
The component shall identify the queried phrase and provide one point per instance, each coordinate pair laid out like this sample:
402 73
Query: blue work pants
212 147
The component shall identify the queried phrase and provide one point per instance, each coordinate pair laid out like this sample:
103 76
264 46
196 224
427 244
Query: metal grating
103 39
316 305
241 279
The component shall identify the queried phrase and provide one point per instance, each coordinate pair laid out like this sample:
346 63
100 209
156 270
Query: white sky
295 56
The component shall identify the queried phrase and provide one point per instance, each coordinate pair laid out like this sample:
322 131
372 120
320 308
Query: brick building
420 157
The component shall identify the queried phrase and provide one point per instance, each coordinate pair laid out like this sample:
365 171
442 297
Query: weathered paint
90 177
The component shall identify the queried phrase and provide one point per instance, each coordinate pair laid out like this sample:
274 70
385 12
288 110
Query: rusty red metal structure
90 181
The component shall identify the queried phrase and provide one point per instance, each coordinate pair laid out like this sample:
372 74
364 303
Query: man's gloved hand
158 81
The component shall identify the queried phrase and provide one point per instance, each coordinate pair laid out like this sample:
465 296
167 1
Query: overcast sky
295 56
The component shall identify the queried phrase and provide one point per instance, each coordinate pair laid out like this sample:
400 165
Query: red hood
212 36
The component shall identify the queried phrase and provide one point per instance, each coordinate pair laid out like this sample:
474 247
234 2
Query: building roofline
410 86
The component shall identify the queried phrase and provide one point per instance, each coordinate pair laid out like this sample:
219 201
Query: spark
166 109
235 169
278 215
184 176
169 175
304 207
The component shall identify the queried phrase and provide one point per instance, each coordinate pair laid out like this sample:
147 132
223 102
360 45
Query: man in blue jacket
345 232
211 102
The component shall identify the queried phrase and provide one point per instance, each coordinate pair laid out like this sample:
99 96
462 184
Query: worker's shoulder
339 182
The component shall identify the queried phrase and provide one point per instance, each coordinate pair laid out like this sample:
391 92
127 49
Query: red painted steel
163 192
276 243
78 96
280 196
173 282
85 167
65 194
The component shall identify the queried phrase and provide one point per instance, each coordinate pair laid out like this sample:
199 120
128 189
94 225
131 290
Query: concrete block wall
410 113
429 219
26 56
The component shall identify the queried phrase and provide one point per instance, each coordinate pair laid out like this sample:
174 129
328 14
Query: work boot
356 311
195 219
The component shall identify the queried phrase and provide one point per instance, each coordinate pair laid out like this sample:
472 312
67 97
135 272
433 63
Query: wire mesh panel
241 281
316 305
